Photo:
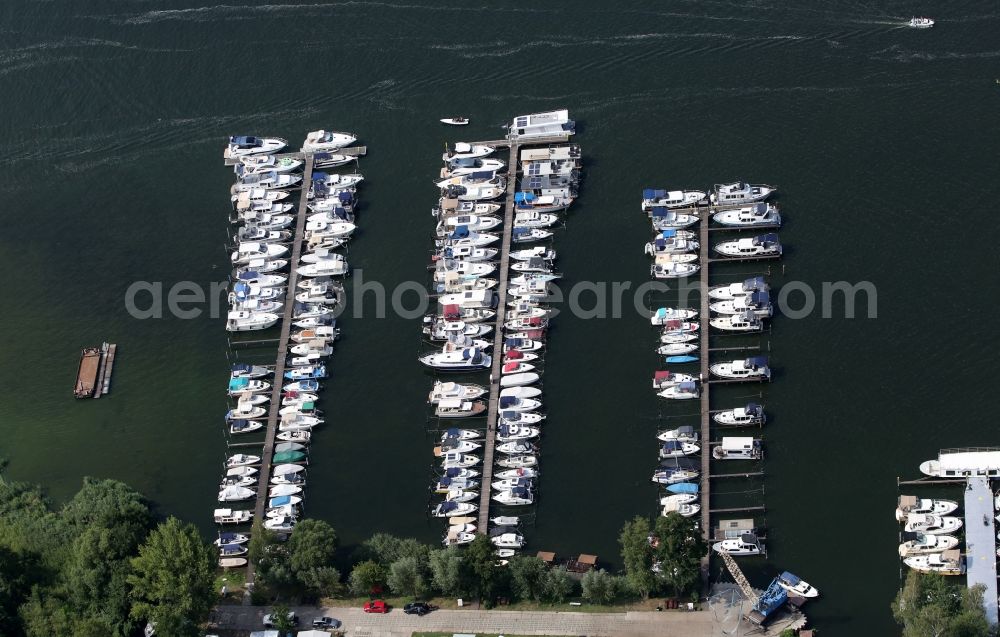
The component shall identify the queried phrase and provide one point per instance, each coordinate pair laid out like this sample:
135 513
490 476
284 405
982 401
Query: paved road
398 624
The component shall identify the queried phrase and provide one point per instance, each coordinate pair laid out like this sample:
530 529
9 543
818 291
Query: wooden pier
706 418
493 407
263 482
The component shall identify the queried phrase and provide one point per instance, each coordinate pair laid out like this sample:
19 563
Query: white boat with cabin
323 140
740 193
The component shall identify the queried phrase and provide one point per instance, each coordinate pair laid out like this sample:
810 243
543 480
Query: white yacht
674 475
464 238
469 359
744 322
511 433
746 544
534 219
245 145
665 378
932 524
520 392
453 509
664 314
920 23
759 303
517 462
507 474
664 219
458 408
463 151
322 140
472 165
323 226
449 390
263 163
520 418
945 563
523 234
250 251
270 180
738 290
247 198
232 516
456 460
331 160
685 509
684 433
739 193
749 415
335 265
757 215
245 321
508 541
471 223
538 126
676 349
753 368
959 463
911 504
924 543
765 245
681 391
796 585
236 494
479 191
654 198
678 449
518 496
670 245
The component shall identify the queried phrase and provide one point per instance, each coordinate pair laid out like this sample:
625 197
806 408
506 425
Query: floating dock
704 316
93 376
980 543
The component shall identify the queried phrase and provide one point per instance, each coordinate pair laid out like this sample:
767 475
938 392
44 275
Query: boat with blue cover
796 585
773 598
683 487
244 426
306 372
245 370
682 359
242 385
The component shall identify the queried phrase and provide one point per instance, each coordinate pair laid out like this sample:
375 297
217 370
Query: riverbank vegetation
931 605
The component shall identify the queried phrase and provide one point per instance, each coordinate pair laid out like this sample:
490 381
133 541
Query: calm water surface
883 141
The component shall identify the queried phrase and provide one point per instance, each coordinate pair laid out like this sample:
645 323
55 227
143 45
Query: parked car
418 608
326 622
376 606
269 619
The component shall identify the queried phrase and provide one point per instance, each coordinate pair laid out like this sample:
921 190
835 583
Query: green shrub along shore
102 565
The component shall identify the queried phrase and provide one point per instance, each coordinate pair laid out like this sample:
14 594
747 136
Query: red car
377 606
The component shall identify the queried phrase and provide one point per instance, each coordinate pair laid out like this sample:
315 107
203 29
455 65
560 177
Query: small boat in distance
921 23
455 121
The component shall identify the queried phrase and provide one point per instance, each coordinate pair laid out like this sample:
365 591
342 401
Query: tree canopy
931 606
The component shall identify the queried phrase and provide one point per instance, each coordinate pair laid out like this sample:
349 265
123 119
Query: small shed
546 556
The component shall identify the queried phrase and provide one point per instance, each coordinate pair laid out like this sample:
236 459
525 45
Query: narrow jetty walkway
279 363
980 543
706 417
493 409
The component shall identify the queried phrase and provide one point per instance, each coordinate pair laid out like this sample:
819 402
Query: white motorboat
246 198
520 392
678 449
298 422
479 191
279 490
245 411
244 481
518 496
255 305
796 585
458 408
743 322
655 198
264 163
911 504
664 219
517 462
555 195
468 253
759 303
522 345
269 180
740 193
462 150
508 541
685 433
336 182
453 509
924 543
464 269
674 475
232 516
678 498
516 447
446 484
460 434
247 252
262 265
670 338
472 223
671 258
681 391
323 161
461 495
535 219
312 350
512 433
509 474
323 140
516 380
514 403
530 290
676 349
470 178
750 414
738 290
671 242
236 494
932 524
765 245
665 378
665 314
294 436
523 234
673 270
241 426
469 359
757 215
336 265
455 460
262 280
746 544
449 390
267 220
455 121
753 368
520 418
325 226
246 145
944 563
245 321
463 238
280 525
537 252
920 23
685 510
262 235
